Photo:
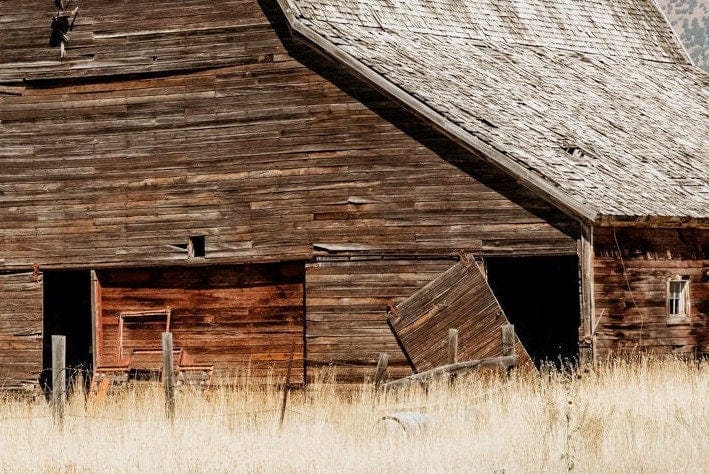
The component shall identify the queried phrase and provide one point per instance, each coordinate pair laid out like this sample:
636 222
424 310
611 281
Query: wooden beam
95 319
286 387
382 365
508 340
586 336
168 374
452 346
453 370
58 378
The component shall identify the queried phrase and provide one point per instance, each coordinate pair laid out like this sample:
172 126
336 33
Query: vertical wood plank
168 374
452 346
95 320
380 375
508 340
58 378
286 387
585 252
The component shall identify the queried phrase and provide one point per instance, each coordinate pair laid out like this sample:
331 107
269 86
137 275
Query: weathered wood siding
237 318
235 133
631 270
173 119
346 312
20 331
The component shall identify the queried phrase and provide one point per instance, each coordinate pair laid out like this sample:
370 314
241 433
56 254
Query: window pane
677 296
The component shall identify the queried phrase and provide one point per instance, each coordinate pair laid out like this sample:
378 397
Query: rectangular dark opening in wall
540 296
197 246
67 312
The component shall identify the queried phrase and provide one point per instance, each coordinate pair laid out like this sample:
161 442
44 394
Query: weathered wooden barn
264 178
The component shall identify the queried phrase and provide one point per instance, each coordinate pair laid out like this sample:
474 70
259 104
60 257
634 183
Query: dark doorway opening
540 296
67 312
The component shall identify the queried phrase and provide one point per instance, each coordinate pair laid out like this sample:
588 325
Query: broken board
459 298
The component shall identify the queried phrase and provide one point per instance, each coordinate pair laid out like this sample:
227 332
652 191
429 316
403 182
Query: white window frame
678 302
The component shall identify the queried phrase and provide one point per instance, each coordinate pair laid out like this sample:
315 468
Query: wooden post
286 388
168 374
508 340
58 378
452 346
587 352
380 375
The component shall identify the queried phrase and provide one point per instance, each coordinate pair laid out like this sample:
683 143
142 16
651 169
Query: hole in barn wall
196 248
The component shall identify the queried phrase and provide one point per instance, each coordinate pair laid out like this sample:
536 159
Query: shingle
608 75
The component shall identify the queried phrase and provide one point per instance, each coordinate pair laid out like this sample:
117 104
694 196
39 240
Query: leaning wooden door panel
20 331
459 298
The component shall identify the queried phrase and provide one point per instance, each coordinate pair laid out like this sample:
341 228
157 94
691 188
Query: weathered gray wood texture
631 271
461 299
267 155
20 331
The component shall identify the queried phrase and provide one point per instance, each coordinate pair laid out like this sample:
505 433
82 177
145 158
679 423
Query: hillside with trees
691 22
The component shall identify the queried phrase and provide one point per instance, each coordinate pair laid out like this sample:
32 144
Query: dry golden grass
650 416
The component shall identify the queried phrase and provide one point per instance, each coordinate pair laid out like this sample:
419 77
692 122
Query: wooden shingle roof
591 102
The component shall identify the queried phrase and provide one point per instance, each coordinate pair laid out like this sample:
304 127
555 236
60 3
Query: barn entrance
229 322
67 312
540 296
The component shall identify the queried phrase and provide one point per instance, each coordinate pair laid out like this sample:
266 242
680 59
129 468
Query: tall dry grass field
650 416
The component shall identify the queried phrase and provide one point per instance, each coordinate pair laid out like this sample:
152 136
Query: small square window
678 298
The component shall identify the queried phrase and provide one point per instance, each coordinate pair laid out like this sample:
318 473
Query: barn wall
234 317
346 312
631 270
20 331
212 121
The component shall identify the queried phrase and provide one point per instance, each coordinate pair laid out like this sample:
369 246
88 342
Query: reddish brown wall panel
20 331
235 317
631 292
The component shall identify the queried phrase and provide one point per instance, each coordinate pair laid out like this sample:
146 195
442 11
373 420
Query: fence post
382 365
286 387
168 374
452 346
58 378
508 340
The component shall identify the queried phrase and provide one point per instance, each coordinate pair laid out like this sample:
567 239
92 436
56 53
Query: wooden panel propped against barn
459 298
20 331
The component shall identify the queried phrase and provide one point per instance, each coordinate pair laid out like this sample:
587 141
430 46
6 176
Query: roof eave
526 177
653 221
